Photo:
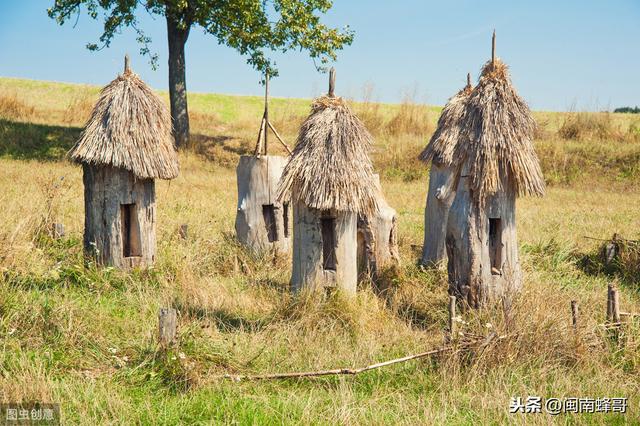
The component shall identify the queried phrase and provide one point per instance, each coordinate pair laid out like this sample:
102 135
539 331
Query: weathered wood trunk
482 248
439 199
377 238
120 217
324 249
262 224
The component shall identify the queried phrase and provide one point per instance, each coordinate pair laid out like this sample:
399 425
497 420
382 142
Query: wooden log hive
377 237
262 223
120 217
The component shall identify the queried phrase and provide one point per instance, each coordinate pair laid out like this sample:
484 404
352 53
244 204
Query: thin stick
266 108
353 371
609 303
468 80
275 132
493 49
332 82
258 143
126 62
452 317
609 239
574 314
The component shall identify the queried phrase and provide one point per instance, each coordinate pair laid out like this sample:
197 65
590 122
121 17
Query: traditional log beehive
126 144
262 222
329 181
442 182
377 237
494 161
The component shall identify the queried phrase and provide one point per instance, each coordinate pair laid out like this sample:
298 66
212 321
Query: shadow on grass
225 320
623 269
29 141
221 148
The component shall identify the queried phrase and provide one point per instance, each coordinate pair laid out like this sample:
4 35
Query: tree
252 27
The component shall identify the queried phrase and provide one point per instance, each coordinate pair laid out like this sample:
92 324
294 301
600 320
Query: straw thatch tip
129 128
329 168
442 145
496 138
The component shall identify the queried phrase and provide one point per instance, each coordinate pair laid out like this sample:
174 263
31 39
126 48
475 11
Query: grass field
85 337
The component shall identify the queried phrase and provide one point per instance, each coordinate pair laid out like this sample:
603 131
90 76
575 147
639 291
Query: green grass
86 337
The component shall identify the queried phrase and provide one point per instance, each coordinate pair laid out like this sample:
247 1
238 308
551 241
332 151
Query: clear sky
563 54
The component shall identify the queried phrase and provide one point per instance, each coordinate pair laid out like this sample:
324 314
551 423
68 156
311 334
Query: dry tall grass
85 337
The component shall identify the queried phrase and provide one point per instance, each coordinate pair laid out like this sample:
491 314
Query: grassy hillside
85 337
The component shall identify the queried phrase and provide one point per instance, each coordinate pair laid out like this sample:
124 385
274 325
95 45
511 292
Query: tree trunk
177 83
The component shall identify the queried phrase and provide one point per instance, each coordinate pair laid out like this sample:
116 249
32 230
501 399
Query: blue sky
563 55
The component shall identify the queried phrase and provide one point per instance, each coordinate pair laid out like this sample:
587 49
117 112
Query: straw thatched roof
443 142
330 167
129 128
497 137
491 128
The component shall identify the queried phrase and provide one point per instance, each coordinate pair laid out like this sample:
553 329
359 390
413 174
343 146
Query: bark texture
308 268
177 38
377 237
109 237
476 275
262 223
439 199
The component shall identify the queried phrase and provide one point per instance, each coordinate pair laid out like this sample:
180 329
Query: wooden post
126 63
468 80
452 317
266 109
609 302
332 82
167 324
258 149
493 49
57 229
184 231
574 314
615 306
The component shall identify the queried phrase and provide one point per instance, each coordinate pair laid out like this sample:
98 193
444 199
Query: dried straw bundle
129 128
329 167
496 138
443 142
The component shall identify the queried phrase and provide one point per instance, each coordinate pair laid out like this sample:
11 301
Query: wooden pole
332 82
126 63
615 306
609 303
258 149
493 49
452 317
353 371
266 108
57 229
574 314
275 132
184 231
468 79
167 325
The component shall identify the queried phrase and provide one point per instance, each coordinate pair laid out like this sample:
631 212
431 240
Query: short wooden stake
184 231
574 314
57 229
609 303
452 317
615 306
167 325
